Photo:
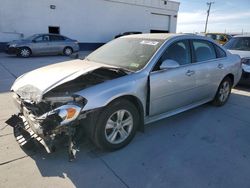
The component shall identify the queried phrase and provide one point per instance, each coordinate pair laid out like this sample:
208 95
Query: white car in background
241 45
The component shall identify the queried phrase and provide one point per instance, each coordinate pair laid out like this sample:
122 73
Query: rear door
174 88
209 62
57 43
41 45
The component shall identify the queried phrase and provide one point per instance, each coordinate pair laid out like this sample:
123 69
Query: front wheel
117 125
223 92
24 52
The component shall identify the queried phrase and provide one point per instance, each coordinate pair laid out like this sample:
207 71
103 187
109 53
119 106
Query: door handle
190 72
220 66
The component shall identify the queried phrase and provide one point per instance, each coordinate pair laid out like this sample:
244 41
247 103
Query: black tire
24 52
67 51
100 132
219 100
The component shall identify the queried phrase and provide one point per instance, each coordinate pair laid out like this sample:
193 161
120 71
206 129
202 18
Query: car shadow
87 170
92 166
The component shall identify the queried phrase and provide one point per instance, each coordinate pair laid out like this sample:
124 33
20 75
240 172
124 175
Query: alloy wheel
68 51
119 126
224 91
25 52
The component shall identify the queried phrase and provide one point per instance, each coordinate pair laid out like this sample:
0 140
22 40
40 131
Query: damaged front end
45 116
61 118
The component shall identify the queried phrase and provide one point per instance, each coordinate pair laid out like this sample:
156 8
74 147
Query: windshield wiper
120 69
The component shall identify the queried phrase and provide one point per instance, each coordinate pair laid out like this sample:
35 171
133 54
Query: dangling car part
131 81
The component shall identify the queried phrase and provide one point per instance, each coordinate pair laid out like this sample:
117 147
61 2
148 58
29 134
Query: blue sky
231 16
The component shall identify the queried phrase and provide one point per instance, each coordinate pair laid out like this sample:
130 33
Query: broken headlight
68 112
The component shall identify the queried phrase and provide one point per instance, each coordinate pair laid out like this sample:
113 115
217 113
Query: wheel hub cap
68 51
119 126
224 91
25 52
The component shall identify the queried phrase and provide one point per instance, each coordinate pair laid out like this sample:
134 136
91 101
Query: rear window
203 50
238 43
219 52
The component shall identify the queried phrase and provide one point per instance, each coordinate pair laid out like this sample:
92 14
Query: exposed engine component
59 111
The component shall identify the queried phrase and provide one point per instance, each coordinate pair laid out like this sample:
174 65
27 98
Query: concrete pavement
203 147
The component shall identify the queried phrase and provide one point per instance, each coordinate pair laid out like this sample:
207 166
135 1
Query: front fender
102 94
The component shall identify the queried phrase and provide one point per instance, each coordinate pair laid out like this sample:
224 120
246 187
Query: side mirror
169 64
34 40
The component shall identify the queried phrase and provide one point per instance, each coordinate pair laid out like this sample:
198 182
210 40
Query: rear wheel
117 125
223 92
24 52
67 51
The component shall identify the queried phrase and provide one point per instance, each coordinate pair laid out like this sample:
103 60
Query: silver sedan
43 44
120 87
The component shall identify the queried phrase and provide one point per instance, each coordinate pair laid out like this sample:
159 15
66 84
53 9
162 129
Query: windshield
238 43
128 53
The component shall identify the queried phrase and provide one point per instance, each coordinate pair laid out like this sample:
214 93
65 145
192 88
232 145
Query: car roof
49 34
156 36
218 33
167 36
242 36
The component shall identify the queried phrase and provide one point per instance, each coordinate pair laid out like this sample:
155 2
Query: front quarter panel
102 94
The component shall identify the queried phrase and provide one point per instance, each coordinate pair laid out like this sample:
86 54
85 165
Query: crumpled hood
33 85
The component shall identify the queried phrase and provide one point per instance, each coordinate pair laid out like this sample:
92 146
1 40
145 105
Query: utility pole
208 13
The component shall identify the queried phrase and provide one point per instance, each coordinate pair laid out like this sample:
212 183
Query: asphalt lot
203 147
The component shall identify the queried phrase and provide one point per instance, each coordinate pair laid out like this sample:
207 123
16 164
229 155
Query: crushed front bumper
11 50
45 130
24 133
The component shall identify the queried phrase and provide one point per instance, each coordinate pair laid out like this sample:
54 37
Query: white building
88 21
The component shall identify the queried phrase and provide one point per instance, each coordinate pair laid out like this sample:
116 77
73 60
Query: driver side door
173 88
41 45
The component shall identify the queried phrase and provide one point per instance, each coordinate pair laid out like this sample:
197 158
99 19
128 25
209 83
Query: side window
43 38
46 38
39 39
56 38
203 50
219 52
179 52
